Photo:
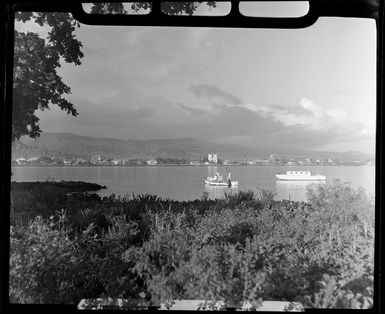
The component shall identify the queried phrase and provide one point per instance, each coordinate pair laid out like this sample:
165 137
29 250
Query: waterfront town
209 159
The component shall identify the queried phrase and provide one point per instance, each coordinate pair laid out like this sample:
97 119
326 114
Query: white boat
218 180
300 176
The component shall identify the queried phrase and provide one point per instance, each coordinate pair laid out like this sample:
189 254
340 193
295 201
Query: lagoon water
187 182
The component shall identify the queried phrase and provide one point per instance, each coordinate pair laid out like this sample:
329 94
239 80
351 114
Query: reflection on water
219 191
288 190
294 190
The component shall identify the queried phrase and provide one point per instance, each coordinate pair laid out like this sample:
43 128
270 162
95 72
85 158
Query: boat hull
213 183
285 177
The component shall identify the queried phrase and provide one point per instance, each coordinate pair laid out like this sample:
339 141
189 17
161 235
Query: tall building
212 158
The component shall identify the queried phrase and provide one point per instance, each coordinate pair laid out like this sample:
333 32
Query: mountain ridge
70 145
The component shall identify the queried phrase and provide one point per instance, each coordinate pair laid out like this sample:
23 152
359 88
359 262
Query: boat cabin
301 173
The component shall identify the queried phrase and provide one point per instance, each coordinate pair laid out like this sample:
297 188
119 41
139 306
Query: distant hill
67 145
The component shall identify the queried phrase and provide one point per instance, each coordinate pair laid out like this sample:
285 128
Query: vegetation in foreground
246 246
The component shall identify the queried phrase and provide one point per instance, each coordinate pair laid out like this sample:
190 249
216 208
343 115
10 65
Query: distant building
151 162
82 162
67 162
96 159
135 162
45 160
194 163
57 161
21 161
34 161
213 158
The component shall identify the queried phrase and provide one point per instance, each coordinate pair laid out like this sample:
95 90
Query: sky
312 88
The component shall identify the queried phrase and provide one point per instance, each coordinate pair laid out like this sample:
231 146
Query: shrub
243 247
41 264
48 264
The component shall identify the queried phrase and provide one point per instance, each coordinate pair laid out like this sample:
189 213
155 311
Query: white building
151 162
97 159
213 158
34 160
67 162
21 161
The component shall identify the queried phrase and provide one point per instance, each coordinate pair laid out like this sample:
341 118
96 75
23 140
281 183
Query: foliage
36 83
183 7
232 200
171 8
49 265
227 226
240 248
41 262
211 306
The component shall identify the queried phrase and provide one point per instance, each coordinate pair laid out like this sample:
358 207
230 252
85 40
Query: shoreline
176 165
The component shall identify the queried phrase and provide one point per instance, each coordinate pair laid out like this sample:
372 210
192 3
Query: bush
48 264
41 262
242 247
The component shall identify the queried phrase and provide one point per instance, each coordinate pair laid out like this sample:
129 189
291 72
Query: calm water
187 182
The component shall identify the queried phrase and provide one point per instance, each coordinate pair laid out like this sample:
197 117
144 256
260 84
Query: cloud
306 113
311 126
307 125
237 124
312 108
145 116
337 114
214 92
